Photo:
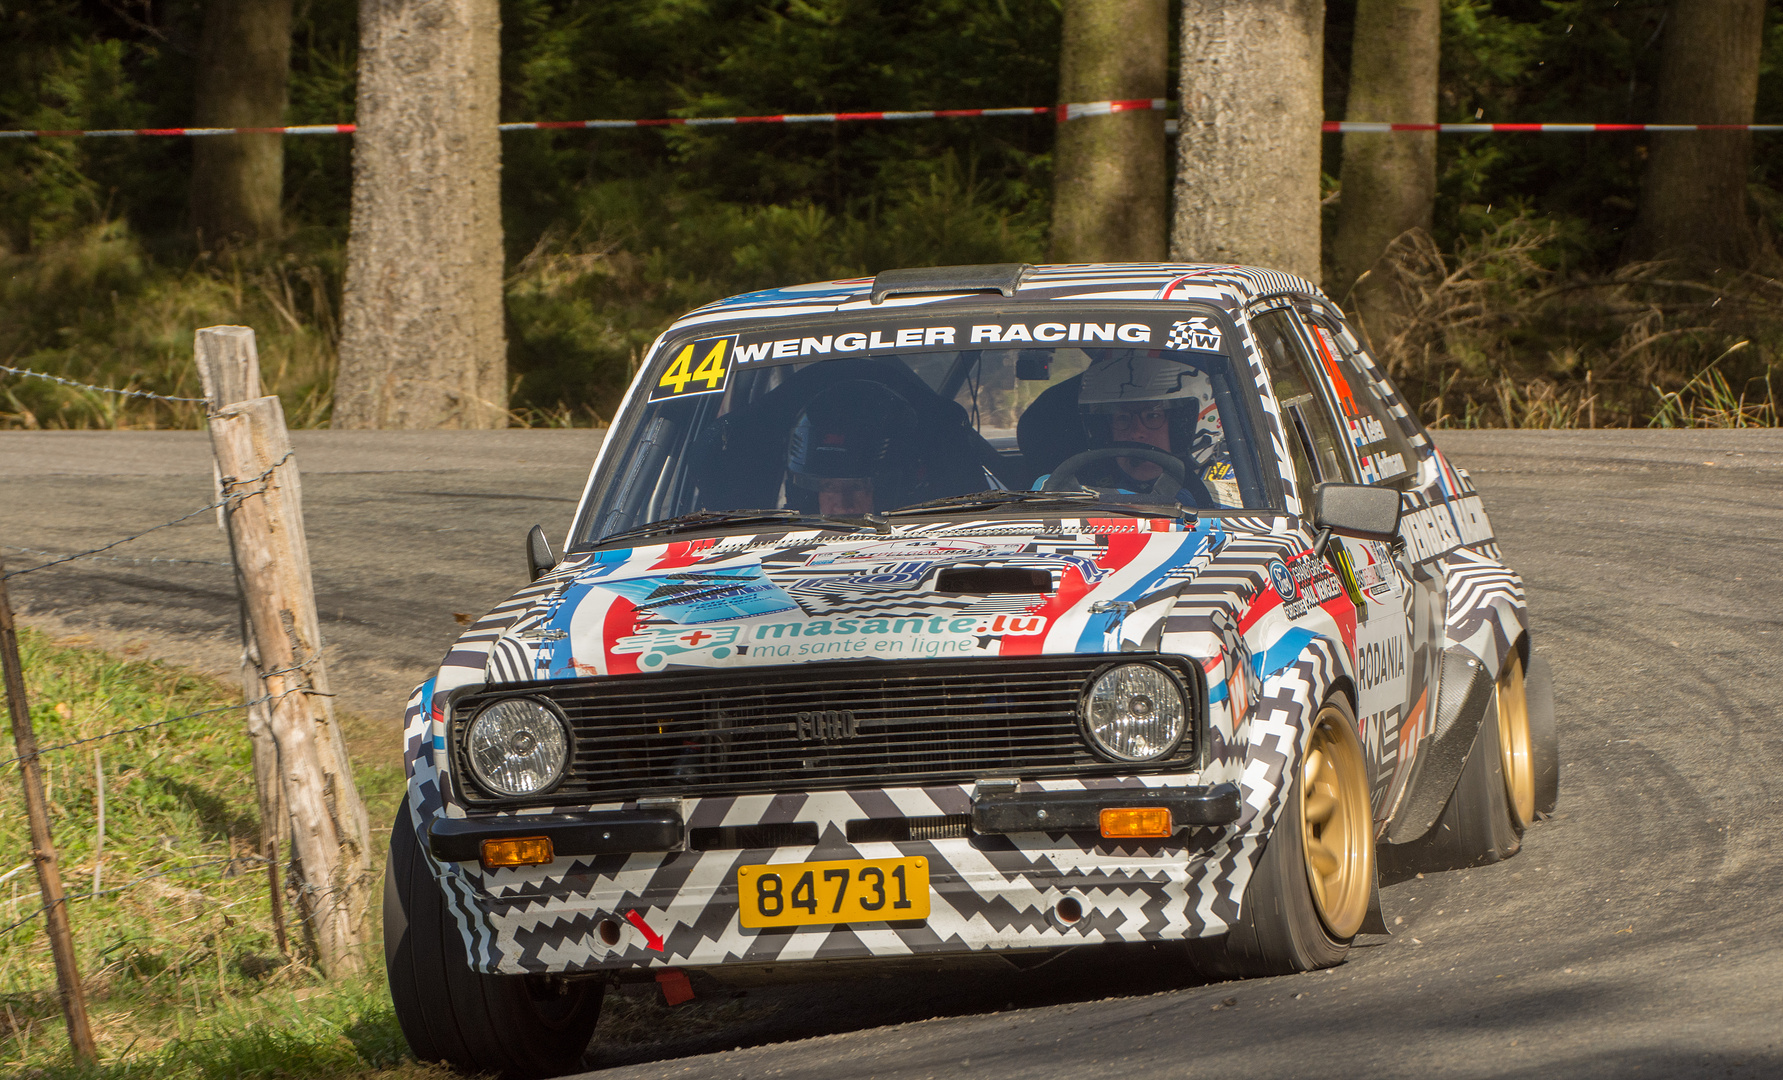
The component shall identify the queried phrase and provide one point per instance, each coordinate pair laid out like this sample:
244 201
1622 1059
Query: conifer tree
1247 179
244 64
1693 194
1109 175
422 341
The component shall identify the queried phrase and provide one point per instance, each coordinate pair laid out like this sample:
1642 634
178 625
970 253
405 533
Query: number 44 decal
699 367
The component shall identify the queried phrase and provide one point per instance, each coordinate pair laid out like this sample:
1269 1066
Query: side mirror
539 559
1359 510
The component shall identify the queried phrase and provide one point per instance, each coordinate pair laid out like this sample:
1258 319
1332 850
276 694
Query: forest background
1521 311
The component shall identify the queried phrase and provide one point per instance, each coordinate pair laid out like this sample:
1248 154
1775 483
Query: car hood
757 601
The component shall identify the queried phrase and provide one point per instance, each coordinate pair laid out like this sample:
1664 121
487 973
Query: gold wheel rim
1337 827
1513 742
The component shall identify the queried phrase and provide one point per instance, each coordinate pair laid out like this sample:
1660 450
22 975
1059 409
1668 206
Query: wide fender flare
424 738
423 748
1467 695
1297 674
1487 615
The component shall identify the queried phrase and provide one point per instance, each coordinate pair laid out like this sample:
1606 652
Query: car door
1317 402
1385 456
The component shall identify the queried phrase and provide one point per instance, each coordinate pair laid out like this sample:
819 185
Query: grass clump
182 970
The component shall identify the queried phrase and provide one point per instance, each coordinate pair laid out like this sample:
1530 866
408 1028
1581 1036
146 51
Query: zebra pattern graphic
1200 591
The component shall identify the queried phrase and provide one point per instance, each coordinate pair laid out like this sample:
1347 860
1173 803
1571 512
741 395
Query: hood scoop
989 580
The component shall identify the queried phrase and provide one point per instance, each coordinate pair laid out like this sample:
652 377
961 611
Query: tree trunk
1108 186
1388 181
1247 179
422 343
244 61
1693 196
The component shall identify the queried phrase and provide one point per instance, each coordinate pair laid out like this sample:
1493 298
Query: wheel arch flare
1293 677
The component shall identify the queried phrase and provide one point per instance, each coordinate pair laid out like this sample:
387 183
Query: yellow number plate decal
845 891
700 367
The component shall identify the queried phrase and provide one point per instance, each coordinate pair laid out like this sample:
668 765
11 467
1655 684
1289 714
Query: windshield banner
1093 330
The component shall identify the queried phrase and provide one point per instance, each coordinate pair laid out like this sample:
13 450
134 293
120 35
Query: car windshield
858 416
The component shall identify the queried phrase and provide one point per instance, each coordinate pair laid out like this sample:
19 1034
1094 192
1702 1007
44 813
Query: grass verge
171 915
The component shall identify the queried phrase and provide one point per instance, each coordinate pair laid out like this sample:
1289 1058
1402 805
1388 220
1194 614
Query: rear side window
1381 446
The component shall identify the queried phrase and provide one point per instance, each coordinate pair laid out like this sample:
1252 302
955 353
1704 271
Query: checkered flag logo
1195 333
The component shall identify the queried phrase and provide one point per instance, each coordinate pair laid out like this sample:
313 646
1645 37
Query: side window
1381 445
1309 420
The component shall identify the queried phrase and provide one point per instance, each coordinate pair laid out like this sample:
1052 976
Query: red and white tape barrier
1371 127
301 129
1062 113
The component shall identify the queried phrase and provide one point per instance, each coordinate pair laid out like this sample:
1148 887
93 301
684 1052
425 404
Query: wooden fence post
43 849
331 838
229 369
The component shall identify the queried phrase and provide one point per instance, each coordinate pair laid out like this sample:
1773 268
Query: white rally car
966 612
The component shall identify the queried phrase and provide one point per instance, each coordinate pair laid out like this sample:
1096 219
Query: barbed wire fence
254 499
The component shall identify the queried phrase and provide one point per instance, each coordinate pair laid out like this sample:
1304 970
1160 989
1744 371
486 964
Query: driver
1141 400
851 451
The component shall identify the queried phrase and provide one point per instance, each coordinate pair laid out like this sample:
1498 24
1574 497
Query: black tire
1544 735
1280 929
519 1027
1477 826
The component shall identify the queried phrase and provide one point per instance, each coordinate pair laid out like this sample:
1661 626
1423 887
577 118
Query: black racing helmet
855 430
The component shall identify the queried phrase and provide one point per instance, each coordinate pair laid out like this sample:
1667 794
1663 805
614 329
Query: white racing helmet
1136 377
1131 377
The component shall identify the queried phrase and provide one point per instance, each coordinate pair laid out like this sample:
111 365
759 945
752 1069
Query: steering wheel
1174 478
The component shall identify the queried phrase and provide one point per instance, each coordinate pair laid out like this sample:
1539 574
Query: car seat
1050 429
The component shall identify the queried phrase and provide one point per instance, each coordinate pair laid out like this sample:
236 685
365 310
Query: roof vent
997 277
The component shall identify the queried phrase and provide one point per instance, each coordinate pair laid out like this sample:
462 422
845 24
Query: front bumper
998 887
999 812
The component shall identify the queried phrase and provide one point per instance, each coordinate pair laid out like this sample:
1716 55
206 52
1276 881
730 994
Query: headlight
517 747
1134 712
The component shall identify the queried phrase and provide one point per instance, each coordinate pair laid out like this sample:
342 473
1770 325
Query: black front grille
829 726
941 827
743 837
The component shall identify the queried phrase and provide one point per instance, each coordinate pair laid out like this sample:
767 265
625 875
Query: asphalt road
1638 932
406 530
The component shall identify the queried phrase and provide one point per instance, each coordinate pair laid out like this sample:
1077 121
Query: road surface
1639 932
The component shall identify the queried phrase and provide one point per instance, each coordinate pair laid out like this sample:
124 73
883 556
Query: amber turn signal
1149 821
518 851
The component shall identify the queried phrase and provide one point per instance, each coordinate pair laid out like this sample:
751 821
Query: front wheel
1315 879
520 1027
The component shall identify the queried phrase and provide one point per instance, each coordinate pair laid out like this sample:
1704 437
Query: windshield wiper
986 500
997 497
700 519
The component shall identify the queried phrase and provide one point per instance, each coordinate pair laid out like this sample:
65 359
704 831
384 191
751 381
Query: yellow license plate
844 891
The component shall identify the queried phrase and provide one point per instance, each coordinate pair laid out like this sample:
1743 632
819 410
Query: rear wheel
1313 883
1515 753
1481 823
1544 736
517 1026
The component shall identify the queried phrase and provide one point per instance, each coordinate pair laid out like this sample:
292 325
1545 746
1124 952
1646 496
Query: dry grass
97 307
1490 336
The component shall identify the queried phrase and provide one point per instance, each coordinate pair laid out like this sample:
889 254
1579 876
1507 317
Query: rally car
966 612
